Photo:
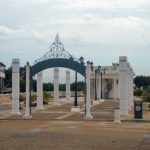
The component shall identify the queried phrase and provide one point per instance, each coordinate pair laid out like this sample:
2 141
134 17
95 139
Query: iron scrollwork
57 50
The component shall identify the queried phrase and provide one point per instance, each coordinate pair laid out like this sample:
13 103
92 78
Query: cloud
4 30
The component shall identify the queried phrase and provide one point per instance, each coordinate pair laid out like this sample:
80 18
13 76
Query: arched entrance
57 56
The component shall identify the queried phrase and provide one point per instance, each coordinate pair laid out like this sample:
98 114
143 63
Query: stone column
98 89
56 86
115 88
15 86
88 101
123 84
39 90
132 86
67 86
27 113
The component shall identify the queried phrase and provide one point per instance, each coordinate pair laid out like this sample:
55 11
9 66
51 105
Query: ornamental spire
57 41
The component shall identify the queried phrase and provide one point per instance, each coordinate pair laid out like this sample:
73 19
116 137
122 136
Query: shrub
22 98
146 97
34 97
138 92
46 97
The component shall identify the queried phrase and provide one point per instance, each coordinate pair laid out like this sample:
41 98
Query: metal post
101 87
30 85
95 86
85 97
75 98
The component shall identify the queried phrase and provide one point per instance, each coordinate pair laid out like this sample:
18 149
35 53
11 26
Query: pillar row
88 97
123 84
67 86
115 88
56 86
27 112
15 87
40 90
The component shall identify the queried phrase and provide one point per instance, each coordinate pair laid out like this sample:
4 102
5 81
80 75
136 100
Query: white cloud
5 30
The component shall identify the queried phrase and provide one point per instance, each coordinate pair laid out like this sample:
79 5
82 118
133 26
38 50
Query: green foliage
138 92
22 98
46 97
146 94
142 81
80 86
34 97
48 87
8 77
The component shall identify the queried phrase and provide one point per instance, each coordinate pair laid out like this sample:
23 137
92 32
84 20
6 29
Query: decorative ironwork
57 50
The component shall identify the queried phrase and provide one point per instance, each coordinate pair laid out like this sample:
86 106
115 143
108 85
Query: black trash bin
138 109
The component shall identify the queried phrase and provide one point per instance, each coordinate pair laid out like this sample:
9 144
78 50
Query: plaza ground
57 128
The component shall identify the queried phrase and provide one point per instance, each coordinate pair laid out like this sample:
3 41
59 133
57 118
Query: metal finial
57 41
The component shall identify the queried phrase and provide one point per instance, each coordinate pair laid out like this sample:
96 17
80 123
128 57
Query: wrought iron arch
58 57
58 62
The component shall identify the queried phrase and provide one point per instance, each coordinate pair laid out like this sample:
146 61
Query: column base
27 116
117 116
39 108
75 109
101 100
15 113
88 117
117 121
95 102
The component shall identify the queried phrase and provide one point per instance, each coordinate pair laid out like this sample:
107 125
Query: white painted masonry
88 97
67 86
15 86
56 86
27 112
40 90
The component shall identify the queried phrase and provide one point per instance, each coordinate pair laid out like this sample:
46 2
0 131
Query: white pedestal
75 109
88 117
95 102
27 117
117 116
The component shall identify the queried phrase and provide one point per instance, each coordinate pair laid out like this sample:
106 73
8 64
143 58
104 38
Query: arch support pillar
56 86
40 90
67 86
27 112
88 115
123 84
15 86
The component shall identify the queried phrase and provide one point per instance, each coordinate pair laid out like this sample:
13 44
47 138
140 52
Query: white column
40 90
115 88
56 86
123 84
67 86
15 87
27 113
98 89
131 88
88 101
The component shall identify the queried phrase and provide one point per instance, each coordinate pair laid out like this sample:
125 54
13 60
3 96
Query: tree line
46 86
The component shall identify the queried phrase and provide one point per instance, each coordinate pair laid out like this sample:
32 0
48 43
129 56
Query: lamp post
96 71
75 99
102 71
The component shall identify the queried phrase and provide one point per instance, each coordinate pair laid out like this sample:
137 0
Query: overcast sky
99 30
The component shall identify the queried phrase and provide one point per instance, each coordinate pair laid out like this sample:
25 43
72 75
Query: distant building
2 77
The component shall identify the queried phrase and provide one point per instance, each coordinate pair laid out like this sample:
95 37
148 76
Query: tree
141 81
138 92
